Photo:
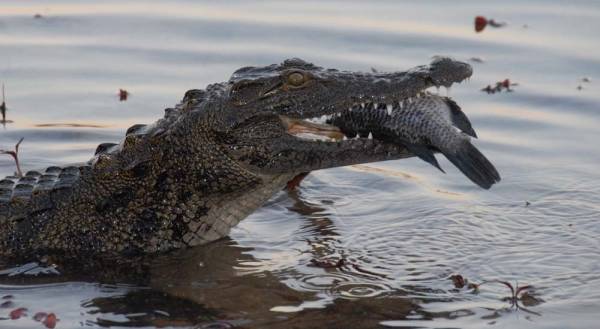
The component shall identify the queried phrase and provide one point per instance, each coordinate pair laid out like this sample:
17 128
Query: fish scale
424 120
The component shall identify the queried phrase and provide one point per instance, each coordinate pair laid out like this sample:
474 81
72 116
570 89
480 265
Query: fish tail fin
473 164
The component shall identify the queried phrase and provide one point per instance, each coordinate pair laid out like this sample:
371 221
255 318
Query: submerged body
187 179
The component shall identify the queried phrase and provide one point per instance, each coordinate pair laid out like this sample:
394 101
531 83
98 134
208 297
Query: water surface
402 227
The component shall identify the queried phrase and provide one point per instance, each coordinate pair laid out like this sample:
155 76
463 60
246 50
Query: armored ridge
187 179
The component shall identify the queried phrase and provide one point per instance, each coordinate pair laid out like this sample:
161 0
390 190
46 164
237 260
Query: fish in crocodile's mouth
424 125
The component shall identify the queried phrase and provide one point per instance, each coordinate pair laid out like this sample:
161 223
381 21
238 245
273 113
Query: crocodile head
278 118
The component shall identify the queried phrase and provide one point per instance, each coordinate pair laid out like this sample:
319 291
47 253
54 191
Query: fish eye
296 79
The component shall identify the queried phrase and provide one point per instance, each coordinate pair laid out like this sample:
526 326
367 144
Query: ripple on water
341 284
358 290
320 282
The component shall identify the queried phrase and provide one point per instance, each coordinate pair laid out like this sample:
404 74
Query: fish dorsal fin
459 118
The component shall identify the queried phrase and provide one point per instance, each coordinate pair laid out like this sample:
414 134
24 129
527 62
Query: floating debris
327 263
3 106
458 280
40 316
50 321
528 299
500 86
476 59
524 294
481 22
18 313
123 95
15 155
514 298
583 80
527 203
7 304
38 16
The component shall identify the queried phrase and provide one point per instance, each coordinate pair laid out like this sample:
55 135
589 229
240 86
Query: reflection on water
359 247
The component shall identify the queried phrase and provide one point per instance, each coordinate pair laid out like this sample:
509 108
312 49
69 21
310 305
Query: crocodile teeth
370 135
344 138
389 109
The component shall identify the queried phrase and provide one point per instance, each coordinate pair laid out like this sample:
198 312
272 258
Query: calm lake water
402 227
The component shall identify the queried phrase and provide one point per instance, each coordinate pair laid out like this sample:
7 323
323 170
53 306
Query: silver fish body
425 125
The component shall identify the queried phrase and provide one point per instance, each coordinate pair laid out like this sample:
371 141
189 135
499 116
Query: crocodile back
36 191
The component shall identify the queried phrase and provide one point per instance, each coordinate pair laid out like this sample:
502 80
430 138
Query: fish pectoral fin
425 154
459 118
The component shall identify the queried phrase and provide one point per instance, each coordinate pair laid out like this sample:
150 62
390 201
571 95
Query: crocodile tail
473 164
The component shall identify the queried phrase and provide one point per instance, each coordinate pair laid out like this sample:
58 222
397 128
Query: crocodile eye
296 79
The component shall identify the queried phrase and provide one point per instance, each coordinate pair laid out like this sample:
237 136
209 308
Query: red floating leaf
480 23
17 313
50 321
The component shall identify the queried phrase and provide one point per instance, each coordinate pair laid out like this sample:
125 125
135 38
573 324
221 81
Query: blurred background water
403 228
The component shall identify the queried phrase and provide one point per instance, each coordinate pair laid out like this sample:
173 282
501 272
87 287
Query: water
402 227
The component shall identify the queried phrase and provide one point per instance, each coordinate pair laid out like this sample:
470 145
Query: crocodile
223 151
